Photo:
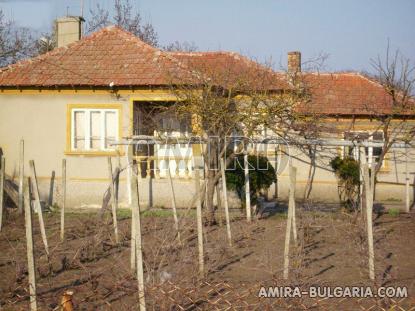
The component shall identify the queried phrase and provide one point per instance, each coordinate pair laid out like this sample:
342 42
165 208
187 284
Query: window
93 129
371 152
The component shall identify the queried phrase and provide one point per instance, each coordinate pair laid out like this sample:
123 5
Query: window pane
79 130
377 136
95 129
111 126
377 151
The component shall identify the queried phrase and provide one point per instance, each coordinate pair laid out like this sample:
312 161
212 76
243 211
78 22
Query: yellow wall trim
94 153
154 96
40 91
86 179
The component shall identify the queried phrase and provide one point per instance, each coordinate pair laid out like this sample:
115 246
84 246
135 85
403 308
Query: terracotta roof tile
114 55
346 94
109 55
233 69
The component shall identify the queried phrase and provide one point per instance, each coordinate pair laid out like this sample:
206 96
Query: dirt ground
331 252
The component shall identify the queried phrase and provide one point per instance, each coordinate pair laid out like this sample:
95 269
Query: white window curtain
79 130
95 123
94 129
111 128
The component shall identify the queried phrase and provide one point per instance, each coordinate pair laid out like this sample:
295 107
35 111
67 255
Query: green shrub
394 212
348 174
259 177
347 169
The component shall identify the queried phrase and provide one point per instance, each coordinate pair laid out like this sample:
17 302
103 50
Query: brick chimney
68 29
294 62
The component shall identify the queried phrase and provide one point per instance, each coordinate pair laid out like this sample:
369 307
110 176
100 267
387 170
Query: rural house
76 100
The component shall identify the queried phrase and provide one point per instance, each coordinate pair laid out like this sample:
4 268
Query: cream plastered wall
40 118
391 178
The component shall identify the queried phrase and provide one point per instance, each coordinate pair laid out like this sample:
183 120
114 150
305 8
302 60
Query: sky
351 32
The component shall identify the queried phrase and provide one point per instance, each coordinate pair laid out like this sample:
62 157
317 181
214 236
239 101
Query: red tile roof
113 55
233 70
109 55
346 94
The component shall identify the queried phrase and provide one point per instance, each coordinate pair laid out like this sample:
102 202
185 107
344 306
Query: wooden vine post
51 187
134 201
63 199
173 204
368 181
247 188
38 205
290 220
219 204
407 185
113 200
293 180
199 225
276 163
2 181
368 189
21 176
29 246
225 202
139 250
136 237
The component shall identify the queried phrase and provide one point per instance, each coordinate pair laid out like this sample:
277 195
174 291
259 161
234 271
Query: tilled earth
330 251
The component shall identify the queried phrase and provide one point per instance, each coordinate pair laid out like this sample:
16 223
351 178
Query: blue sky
351 32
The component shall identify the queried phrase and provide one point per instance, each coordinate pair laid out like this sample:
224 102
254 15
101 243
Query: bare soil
331 251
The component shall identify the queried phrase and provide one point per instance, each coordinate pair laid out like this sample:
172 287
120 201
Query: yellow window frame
70 107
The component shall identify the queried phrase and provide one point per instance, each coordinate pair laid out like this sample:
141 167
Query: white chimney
68 30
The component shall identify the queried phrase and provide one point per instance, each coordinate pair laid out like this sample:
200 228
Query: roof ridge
129 35
197 53
89 37
371 80
235 55
179 63
350 73
87 62
57 50
355 73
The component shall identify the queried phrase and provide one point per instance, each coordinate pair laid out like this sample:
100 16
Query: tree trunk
210 161
311 172
210 192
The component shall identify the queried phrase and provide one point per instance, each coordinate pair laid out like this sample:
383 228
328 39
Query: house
78 99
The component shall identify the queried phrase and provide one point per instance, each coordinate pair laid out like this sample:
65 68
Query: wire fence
226 296
332 251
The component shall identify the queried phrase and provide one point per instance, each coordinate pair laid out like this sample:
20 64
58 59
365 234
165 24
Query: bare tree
397 76
230 96
124 17
178 46
15 42
46 43
308 124
99 18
